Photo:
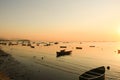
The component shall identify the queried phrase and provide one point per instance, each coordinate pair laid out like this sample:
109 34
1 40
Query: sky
60 20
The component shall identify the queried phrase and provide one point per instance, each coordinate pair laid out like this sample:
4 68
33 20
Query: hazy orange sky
69 20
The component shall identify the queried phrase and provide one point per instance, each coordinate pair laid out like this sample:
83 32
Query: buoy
108 67
42 58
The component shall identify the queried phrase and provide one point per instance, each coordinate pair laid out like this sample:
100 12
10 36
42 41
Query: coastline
11 69
17 67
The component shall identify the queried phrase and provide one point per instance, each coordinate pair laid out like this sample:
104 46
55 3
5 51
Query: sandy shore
10 69
21 66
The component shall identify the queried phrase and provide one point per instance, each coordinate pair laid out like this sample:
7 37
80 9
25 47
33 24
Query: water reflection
76 64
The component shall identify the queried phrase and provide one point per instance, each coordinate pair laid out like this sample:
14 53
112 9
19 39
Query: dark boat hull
98 78
78 47
63 46
63 53
94 74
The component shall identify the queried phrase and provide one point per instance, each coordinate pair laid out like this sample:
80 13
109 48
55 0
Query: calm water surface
69 67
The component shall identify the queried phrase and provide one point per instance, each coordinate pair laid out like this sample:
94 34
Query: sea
45 65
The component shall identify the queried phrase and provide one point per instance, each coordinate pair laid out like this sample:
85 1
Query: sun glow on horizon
118 30
60 20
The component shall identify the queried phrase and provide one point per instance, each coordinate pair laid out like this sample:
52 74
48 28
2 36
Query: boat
23 44
118 51
63 53
37 44
78 47
32 46
63 46
94 74
56 43
91 46
28 44
47 44
80 42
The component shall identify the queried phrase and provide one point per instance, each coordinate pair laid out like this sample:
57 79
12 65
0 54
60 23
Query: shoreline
11 69
17 69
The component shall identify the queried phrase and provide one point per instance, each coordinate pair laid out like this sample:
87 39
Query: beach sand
10 69
24 68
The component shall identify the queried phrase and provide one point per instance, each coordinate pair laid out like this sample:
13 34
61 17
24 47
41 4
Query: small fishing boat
118 51
91 46
80 42
32 46
47 44
63 46
78 47
56 43
23 44
94 74
63 53
37 44
28 44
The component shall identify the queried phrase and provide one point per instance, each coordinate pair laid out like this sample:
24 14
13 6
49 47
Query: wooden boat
47 44
118 51
94 74
91 46
37 44
56 43
28 44
63 53
32 46
23 44
63 46
78 47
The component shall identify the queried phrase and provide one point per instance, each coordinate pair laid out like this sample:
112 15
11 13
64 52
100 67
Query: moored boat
118 51
23 44
32 46
63 46
63 53
78 47
47 44
28 44
94 74
91 46
56 43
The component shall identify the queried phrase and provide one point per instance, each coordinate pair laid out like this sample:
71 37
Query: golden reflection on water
81 60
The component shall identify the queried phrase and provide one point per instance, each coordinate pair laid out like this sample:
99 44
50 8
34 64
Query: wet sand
11 69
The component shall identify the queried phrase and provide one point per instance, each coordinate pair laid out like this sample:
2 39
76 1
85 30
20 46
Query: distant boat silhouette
63 46
94 74
78 47
91 46
56 43
28 44
23 44
63 53
118 51
47 44
38 44
80 42
32 46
